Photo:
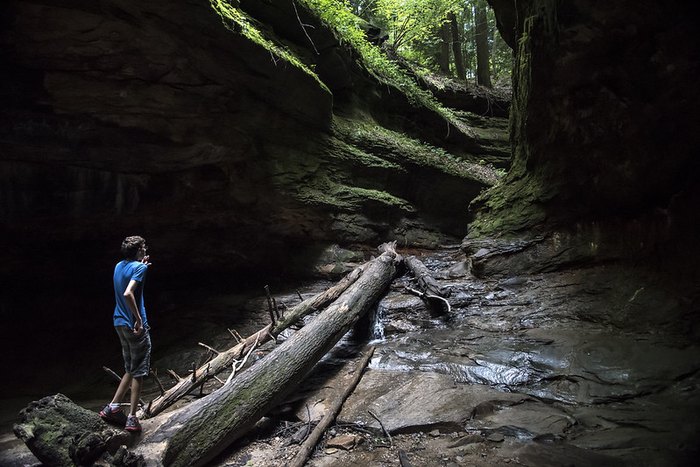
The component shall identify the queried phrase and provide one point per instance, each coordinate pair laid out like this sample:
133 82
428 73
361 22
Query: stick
236 369
403 459
160 385
235 335
112 373
386 433
211 349
308 446
427 297
269 305
174 375
274 307
303 27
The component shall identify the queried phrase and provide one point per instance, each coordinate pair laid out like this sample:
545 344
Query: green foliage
338 16
413 22
414 26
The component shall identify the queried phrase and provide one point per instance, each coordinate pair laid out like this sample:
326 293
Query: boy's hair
131 246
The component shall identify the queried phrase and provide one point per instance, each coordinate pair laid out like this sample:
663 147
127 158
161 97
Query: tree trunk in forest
444 54
483 73
457 46
224 360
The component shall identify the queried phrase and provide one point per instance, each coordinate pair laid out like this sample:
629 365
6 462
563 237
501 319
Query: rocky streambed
586 366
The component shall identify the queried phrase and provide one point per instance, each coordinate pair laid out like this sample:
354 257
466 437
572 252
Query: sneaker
113 415
132 424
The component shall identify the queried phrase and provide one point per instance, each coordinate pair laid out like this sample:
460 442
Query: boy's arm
131 303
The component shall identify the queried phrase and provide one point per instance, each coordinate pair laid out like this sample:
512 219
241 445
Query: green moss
343 151
330 193
377 196
403 149
508 208
239 22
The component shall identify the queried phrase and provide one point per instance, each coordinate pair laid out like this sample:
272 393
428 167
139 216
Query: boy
131 324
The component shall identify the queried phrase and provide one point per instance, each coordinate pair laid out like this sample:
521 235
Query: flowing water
603 358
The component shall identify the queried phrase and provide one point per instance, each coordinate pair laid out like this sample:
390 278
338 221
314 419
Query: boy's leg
123 387
135 393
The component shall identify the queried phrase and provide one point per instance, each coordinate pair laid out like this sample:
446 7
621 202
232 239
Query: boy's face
142 252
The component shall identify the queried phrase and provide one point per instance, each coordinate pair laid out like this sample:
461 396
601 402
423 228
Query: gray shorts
136 351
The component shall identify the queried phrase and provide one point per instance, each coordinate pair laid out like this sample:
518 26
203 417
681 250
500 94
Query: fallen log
225 360
199 431
428 289
308 446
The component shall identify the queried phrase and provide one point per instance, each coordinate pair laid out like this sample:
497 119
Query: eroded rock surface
585 366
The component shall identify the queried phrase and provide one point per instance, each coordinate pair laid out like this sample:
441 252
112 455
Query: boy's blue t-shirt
124 272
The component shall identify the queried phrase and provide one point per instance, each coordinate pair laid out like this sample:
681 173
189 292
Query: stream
596 365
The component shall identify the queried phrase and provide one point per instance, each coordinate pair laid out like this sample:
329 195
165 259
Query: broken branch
381 425
308 446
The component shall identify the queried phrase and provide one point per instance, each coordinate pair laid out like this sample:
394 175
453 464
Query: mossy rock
59 432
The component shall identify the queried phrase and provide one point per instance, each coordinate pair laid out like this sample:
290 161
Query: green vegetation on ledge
401 148
239 22
337 16
330 193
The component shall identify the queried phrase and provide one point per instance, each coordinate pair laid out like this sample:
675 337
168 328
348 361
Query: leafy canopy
411 22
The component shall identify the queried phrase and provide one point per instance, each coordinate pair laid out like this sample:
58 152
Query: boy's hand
138 328
145 260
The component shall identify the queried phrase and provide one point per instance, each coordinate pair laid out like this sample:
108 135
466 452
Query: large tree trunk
444 54
457 46
483 73
198 432
224 360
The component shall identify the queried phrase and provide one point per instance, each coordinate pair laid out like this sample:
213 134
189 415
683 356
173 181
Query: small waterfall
377 322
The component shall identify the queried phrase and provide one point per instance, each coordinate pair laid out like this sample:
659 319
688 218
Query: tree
443 56
481 37
411 22
457 45
428 32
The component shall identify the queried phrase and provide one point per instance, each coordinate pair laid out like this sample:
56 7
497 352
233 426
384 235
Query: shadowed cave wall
604 132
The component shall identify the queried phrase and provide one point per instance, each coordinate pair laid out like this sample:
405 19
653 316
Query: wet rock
346 442
495 438
527 419
461 269
556 455
415 402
